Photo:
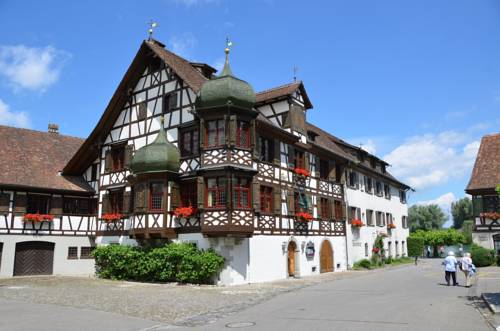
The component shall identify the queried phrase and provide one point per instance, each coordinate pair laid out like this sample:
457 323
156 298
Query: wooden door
292 247
326 257
34 258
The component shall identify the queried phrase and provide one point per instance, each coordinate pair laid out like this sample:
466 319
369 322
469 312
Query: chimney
53 128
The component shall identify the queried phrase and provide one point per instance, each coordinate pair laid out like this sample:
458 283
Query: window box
38 218
111 217
357 223
184 212
302 172
304 217
391 226
493 216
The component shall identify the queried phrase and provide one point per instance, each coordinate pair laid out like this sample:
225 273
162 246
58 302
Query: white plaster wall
62 266
484 239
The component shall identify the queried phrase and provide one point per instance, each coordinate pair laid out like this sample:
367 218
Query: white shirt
450 263
466 263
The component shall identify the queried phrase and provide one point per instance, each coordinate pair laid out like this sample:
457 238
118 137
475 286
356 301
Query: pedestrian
450 268
466 267
428 251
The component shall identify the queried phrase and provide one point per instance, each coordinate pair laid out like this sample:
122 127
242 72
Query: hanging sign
310 250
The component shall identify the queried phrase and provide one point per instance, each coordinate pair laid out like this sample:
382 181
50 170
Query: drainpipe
344 188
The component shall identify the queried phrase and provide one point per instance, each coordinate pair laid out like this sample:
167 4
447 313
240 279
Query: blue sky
416 82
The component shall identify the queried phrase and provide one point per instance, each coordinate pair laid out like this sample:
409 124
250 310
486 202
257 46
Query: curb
494 308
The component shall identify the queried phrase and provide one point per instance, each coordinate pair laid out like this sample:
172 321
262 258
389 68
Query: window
353 179
378 188
79 206
369 217
299 161
366 249
368 185
93 172
169 102
241 193
324 169
387 191
215 133
189 194
38 204
142 111
243 134
189 142
382 218
118 157
325 208
404 222
72 253
378 218
216 192
338 209
116 201
86 252
266 199
156 196
266 149
402 196
388 218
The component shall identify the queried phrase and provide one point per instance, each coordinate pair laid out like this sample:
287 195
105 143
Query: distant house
485 201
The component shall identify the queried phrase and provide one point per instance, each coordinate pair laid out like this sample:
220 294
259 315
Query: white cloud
7 117
433 159
31 68
184 44
369 146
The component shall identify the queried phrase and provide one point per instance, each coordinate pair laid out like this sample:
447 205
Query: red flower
302 172
302 216
494 216
38 218
111 217
391 226
375 250
357 223
183 212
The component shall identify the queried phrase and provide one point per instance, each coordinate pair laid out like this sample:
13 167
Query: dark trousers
453 275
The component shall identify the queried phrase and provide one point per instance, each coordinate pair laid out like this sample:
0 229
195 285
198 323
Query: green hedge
172 263
482 257
415 246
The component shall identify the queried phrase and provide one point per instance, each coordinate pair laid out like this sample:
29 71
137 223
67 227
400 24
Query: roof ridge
279 87
491 135
39 131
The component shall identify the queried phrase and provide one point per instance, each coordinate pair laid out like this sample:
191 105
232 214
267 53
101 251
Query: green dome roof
159 156
226 89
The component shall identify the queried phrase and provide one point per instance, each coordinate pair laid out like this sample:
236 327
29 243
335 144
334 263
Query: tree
426 217
440 237
415 247
461 211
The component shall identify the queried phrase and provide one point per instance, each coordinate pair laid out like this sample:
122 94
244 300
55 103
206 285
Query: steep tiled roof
486 171
276 93
34 159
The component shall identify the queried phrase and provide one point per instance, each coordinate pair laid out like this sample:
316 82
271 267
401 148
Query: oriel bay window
241 192
266 199
242 134
38 204
189 142
216 192
156 196
216 133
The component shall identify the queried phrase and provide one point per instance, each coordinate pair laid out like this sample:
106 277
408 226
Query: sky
415 82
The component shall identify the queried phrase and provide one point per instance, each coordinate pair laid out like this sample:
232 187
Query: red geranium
302 172
111 217
391 226
302 216
183 212
38 218
375 250
494 216
357 223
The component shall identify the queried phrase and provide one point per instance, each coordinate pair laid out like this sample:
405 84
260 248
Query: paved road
407 298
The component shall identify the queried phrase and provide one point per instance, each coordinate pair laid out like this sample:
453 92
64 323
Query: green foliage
363 264
461 210
441 237
498 260
367 264
174 262
415 246
426 217
389 260
467 228
481 256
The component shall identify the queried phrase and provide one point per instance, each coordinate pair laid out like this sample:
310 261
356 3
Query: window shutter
318 207
309 202
108 161
126 202
317 166
256 148
4 203
139 198
291 156
200 192
56 206
172 101
106 205
277 200
142 111
343 210
253 134
256 196
290 201
277 152
127 156
232 130
203 132
349 213
20 203
306 161
332 208
175 196
331 171
358 213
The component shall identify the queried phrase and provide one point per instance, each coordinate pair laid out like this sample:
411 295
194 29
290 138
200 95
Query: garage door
34 258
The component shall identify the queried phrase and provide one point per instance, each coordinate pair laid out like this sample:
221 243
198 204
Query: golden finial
162 121
152 25
228 46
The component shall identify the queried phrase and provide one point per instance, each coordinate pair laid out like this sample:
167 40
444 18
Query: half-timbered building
483 183
183 154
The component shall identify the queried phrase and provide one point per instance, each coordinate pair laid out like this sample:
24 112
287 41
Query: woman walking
450 268
466 267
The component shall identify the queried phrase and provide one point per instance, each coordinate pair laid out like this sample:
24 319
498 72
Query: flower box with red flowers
112 217
391 226
304 217
375 250
494 216
357 223
184 212
38 218
302 172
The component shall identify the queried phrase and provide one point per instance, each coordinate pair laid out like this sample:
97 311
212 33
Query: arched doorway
292 247
34 258
326 257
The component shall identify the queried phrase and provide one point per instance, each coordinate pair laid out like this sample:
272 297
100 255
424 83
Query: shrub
174 262
365 264
389 260
481 256
415 246
498 260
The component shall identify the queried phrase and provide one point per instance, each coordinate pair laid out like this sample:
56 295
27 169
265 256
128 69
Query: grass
367 264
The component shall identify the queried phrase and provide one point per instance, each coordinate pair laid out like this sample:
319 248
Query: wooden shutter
307 166
201 192
126 202
333 209
142 111
203 133
277 152
277 200
106 204
291 156
232 130
127 158
290 202
56 206
349 213
108 161
318 207
343 210
253 134
309 202
4 203
358 213
317 166
256 196
172 101
175 196
140 200
20 203
257 147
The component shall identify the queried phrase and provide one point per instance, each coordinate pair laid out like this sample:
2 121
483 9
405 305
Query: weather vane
152 25
295 70
229 44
